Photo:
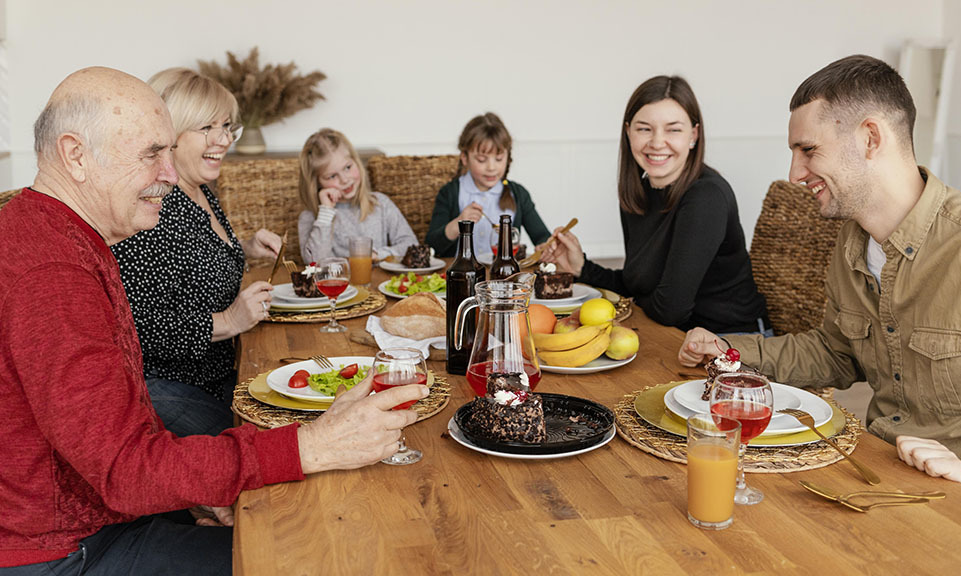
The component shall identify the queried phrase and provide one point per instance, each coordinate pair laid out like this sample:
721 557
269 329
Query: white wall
406 76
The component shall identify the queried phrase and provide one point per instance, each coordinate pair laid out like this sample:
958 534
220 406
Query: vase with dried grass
264 94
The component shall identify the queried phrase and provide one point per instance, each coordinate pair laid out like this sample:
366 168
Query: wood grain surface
616 510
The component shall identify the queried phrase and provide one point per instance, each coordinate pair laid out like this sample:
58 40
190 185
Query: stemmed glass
332 277
397 367
747 398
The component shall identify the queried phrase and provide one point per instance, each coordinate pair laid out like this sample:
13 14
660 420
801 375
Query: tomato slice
299 379
348 371
402 288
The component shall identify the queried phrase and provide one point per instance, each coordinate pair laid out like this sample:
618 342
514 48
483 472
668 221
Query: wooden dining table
613 510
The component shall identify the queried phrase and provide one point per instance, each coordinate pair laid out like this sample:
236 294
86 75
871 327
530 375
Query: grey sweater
324 234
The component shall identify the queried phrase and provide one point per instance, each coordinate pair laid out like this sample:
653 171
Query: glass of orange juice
361 261
711 470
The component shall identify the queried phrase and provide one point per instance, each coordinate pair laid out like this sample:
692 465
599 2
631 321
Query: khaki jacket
903 337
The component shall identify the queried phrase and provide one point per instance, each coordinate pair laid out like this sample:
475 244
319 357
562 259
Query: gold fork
322 361
536 256
806 419
290 265
898 498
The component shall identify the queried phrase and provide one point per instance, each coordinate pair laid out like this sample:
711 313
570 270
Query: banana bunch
575 348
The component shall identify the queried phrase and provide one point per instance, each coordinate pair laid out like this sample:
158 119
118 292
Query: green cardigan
446 208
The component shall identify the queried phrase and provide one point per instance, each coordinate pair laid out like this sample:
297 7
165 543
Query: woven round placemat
771 460
374 302
623 309
267 416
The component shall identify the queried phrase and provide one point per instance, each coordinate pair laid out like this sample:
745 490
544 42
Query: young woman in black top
686 262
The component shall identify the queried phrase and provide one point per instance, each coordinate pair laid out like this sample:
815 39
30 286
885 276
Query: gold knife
280 258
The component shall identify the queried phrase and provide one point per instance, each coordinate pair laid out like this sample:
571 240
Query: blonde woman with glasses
183 277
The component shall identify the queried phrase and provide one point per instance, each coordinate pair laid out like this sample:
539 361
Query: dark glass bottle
464 272
504 263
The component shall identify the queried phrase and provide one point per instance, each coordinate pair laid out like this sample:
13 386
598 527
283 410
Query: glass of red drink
748 399
332 277
399 367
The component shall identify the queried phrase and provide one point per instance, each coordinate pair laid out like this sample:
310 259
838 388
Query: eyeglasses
212 134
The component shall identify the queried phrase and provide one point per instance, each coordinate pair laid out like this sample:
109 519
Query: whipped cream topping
722 363
506 398
310 270
548 267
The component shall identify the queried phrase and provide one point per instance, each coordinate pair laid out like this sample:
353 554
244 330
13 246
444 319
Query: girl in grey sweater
340 205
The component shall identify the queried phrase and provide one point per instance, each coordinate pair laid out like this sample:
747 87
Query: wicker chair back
412 183
790 254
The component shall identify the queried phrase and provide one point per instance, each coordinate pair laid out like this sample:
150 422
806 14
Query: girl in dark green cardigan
480 188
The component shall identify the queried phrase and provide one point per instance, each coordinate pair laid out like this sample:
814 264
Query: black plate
563 435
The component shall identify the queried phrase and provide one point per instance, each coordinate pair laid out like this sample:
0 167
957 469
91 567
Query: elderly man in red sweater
86 466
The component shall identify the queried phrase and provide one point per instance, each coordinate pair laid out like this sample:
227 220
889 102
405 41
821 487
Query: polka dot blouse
176 276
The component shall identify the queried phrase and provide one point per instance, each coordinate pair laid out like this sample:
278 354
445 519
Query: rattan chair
790 254
412 183
8 195
261 192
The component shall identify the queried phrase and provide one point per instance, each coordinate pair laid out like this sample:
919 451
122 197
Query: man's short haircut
81 115
857 86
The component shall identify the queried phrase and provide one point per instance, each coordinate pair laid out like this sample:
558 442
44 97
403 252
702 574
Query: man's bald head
95 104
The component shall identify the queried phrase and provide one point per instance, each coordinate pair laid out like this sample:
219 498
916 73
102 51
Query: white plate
689 396
383 289
599 365
458 436
781 424
435 264
579 293
277 379
285 296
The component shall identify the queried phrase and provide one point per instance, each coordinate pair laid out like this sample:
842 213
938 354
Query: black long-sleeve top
687 267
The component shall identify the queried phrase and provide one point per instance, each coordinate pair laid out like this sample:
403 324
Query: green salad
410 283
327 383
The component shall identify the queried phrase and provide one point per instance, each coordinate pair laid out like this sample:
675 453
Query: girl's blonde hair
192 98
314 159
487 133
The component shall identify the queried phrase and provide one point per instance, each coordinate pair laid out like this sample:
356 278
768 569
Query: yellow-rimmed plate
649 405
259 390
360 296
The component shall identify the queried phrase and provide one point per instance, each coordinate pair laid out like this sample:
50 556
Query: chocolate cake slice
509 412
730 361
417 256
303 283
549 284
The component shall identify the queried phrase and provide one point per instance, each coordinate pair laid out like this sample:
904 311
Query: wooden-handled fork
536 256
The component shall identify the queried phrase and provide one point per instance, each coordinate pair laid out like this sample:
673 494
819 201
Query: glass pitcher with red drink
503 340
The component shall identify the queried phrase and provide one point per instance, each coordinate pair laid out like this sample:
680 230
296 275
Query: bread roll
418 317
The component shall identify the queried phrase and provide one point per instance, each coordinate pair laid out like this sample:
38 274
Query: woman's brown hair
314 159
630 189
487 134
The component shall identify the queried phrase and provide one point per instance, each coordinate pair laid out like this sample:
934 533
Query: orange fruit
542 319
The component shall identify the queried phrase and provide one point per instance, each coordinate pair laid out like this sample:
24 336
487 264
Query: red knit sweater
80 444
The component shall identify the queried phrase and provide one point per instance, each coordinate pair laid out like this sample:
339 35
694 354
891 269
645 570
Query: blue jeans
187 410
162 544
763 329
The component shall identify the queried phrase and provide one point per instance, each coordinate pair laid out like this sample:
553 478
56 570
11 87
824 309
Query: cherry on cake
729 361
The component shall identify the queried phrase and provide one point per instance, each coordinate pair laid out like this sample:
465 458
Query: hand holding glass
332 277
398 367
748 399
